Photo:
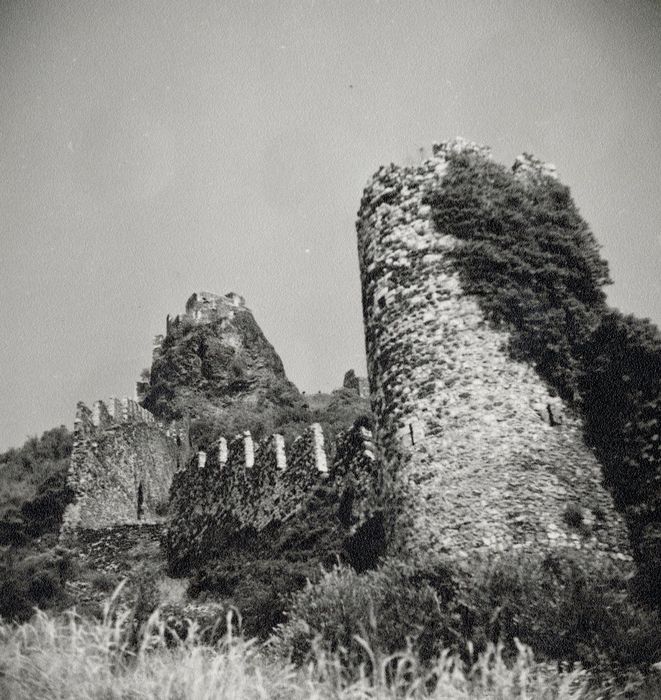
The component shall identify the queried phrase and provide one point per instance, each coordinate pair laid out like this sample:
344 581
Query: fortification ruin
472 450
122 466
243 486
205 307
480 452
358 384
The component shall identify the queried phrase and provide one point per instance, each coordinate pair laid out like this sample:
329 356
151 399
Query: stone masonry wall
481 454
205 307
244 486
122 466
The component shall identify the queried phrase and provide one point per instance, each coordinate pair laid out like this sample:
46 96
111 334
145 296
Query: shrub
562 610
29 580
560 607
73 657
103 581
390 609
573 515
260 590
33 492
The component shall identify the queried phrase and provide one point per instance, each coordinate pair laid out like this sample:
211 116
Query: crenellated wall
122 464
246 486
480 453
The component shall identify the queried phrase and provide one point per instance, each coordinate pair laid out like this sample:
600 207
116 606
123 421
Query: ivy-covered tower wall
480 453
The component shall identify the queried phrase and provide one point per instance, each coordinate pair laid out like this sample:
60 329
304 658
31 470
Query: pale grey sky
152 149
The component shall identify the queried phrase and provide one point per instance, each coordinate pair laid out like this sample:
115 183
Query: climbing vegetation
534 266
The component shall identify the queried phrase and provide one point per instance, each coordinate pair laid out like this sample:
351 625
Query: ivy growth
534 267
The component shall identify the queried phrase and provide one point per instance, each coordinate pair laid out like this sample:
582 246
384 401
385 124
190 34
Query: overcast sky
152 149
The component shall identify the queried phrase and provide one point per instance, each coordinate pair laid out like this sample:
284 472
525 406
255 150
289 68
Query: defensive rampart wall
122 464
480 452
247 486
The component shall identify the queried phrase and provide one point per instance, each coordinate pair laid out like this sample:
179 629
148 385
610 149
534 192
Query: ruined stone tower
480 454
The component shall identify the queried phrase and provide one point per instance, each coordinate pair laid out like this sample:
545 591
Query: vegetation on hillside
391 633
33 495
336 412
534 267
33 491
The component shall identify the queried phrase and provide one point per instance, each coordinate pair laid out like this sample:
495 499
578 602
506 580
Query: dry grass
69 657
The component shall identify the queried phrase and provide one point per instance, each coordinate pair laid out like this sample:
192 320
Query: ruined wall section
480 453
205 307
358 384
122 464
243 486
357 468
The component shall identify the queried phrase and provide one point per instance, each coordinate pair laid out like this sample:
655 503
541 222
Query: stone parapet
257 486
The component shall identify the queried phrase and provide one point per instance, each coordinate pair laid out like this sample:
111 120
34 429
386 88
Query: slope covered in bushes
33 495
33 491
534 266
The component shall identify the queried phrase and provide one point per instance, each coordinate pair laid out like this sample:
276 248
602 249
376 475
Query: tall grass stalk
69 657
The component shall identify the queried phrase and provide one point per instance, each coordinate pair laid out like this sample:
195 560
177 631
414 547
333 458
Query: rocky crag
214 366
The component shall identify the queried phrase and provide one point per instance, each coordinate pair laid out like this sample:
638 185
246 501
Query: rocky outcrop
213 360
359 385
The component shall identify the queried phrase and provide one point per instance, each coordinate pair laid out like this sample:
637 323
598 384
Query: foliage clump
31 578
560 609
72 658
534 267
33 489
33 496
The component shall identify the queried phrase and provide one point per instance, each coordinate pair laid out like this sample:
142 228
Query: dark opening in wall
366 547
140 501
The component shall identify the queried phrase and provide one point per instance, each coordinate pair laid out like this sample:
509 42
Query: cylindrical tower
464 431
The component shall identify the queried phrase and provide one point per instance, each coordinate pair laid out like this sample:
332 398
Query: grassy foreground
69 657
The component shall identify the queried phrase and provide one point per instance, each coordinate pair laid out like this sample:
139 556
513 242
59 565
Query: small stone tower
480 454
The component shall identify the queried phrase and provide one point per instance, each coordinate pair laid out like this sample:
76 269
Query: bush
562 610
29 580
573 515
390 609
103 581
259 590
44 512
33 492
